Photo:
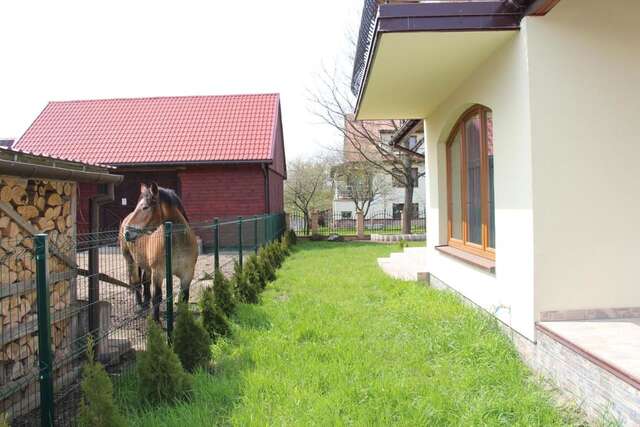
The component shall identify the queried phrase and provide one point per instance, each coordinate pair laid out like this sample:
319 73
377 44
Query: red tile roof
157 130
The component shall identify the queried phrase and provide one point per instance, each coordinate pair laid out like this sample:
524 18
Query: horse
141 239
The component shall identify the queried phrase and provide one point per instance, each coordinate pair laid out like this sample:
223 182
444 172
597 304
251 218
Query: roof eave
448 17
189 163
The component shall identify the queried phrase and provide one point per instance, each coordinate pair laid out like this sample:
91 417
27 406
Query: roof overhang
420 52
408 128
29 165
173 164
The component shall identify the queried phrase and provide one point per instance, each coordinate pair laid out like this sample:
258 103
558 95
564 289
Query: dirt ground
127 320
113 264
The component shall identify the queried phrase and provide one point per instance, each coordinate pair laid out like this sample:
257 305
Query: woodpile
27 207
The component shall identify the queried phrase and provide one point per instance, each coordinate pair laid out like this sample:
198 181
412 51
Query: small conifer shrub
161 378
291 237
190 340
253 273
278 252
223 293
284 246
273 255
267 269
213 318
245 291
97 408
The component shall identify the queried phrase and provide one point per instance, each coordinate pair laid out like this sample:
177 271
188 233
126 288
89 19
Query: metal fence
388 222
376 222
56 292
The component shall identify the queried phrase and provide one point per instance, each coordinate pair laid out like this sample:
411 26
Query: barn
224 155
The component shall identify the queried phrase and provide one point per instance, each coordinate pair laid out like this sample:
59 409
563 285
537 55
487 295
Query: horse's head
147 215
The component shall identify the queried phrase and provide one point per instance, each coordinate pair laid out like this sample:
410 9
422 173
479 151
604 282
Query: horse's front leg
156 278
134 276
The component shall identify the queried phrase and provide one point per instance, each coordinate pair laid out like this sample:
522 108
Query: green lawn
336 342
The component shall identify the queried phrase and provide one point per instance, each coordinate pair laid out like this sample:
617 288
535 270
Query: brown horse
142 244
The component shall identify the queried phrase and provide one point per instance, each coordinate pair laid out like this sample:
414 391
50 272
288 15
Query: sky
64 50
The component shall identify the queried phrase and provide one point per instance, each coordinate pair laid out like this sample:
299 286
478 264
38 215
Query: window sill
476 260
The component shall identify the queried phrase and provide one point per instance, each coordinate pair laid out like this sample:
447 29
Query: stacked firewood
27 207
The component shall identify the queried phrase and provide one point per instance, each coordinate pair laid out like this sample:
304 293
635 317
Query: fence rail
55 293
375 222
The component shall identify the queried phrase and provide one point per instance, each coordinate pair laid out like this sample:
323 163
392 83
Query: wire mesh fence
19 340
55 293
375 222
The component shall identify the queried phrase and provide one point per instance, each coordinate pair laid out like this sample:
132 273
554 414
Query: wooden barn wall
113 213
128 192
222 191
207 191
279 160
276 193
85 192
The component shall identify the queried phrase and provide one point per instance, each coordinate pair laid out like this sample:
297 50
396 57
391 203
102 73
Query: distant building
392 201
6 142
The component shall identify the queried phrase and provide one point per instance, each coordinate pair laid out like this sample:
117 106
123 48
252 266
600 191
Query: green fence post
168 231
240 241
216 244
45 356
255 233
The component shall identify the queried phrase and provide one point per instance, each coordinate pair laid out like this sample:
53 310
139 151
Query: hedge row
162 369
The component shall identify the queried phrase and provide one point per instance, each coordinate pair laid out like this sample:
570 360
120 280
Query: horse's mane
171 198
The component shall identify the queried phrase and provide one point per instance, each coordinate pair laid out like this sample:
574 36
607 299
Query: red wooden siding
276 198
222 191
279 164
85 192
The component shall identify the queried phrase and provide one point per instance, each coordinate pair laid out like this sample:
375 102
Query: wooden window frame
482 249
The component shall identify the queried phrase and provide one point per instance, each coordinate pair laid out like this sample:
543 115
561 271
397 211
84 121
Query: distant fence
54 294
376 222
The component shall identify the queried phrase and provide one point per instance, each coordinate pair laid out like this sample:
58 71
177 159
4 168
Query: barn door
127 192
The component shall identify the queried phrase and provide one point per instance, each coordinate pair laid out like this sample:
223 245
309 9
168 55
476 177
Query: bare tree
334 104
361 183
308 187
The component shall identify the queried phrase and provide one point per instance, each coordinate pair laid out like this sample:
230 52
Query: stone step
406 265
398 270
416 250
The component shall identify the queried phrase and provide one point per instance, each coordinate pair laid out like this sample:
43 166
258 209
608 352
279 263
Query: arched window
470 183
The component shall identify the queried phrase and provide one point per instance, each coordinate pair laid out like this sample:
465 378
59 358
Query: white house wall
501 83
585 103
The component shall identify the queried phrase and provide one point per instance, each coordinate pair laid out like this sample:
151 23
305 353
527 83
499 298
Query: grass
336 342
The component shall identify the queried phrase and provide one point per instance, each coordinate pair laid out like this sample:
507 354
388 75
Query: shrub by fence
55 293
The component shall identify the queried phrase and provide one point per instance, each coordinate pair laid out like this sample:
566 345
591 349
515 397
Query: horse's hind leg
134 276
145 278
184 289
185 282
156 278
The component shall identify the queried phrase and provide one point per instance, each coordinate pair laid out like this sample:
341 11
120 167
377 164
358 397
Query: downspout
267 202
95 203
